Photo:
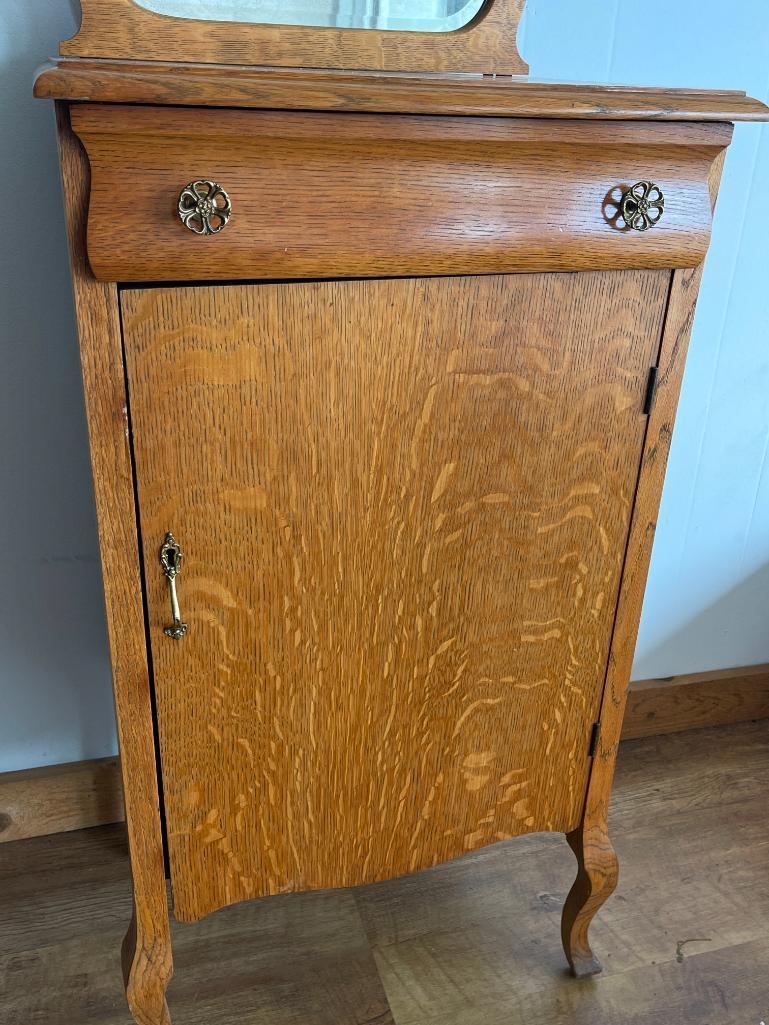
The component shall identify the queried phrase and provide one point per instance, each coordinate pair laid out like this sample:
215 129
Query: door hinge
651 390
594 737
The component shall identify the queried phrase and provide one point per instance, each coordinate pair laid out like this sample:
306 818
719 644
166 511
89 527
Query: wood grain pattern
695 700
471 942
79 795
147 951
318 195
123 29
58 798
400 582
201 85
595 854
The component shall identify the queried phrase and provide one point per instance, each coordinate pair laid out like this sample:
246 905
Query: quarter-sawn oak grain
400 582
324 195
79 795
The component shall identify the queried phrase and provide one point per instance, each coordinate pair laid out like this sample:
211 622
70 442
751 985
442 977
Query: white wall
708 600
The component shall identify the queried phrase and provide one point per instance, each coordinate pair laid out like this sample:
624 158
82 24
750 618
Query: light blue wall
55 701
708 600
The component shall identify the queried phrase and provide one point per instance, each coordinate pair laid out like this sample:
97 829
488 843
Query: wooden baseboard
56 799
679 703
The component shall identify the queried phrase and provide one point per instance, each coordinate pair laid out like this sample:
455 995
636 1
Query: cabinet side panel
672 359
147 953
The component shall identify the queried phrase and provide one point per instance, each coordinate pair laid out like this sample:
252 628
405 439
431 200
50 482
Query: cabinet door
404 506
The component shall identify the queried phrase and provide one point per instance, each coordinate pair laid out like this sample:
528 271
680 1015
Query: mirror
393 15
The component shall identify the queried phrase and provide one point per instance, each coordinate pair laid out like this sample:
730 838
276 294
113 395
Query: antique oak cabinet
381 362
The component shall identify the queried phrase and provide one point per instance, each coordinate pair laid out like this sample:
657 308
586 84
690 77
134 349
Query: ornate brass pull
171 557
204 207
642 206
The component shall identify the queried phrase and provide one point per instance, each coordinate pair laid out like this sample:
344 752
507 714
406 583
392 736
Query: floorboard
473 942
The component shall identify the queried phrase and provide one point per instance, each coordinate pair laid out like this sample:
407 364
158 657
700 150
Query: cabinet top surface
420 56
216 85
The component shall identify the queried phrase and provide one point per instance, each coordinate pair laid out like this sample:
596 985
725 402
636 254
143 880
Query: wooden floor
476 942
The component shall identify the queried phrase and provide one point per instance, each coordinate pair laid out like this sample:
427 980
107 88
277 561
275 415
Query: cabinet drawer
347 195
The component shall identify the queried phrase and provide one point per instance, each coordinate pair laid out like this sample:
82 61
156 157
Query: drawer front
349 195
403 519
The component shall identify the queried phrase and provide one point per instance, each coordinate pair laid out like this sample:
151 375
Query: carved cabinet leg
147 970
597 875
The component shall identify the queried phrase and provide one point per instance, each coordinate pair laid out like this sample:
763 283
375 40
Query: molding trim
59 798
677 703
78 795
201 85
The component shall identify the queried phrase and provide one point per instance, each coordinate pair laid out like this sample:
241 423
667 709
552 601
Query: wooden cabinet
377 461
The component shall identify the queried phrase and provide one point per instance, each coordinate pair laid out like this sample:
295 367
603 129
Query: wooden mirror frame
123 29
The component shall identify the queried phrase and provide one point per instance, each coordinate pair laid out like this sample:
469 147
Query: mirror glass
401 15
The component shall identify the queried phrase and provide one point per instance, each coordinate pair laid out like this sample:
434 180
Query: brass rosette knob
204 207
642 206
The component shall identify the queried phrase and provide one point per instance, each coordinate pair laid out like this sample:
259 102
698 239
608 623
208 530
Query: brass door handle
642 206
171 557
204 207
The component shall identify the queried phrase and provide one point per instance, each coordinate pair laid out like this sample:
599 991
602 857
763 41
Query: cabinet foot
597 875
147 970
